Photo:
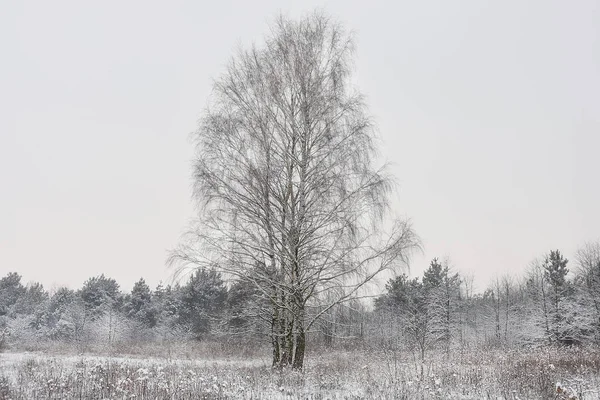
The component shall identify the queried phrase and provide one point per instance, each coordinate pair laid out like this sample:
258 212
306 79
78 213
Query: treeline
555 302
549 305
100 313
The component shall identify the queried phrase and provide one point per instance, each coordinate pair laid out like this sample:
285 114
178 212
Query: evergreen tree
202 299
58 312
443 292
555 273
140 306
11 290
244 303
433 277
100 294
32 303
31 300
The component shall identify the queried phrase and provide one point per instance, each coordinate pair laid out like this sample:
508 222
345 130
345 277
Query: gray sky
490 112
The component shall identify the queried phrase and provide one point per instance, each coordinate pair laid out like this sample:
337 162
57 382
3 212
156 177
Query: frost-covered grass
494 375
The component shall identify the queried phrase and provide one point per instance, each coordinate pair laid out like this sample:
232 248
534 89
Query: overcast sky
490 112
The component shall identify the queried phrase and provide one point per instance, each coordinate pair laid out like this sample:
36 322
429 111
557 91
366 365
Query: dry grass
532 374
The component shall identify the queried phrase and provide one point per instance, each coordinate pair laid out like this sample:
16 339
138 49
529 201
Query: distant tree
555 273
588 262
506 290
11 290
247 308
202 300
159 292
59 313
344 323
555 270
434 275
443 291
500 297
467 312
103 300
496 297
59 302
408 299
4 333
31 299
32 303
328 325
168 303
537 308
99 295
429 310
140 306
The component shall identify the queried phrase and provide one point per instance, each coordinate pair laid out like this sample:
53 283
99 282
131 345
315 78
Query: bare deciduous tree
289 198
588 261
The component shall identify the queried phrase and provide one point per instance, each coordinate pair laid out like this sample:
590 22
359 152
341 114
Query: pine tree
202 300
99 295
555 273
11 290
140 305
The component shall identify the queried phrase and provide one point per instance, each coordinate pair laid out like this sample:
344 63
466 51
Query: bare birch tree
289 197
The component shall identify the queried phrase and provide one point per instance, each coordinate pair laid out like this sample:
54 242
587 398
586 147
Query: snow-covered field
328 375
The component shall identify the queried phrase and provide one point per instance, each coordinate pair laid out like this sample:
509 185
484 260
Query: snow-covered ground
328 375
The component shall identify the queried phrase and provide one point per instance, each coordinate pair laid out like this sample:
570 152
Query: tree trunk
507 313
299 349
545 312
497 310
275 337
